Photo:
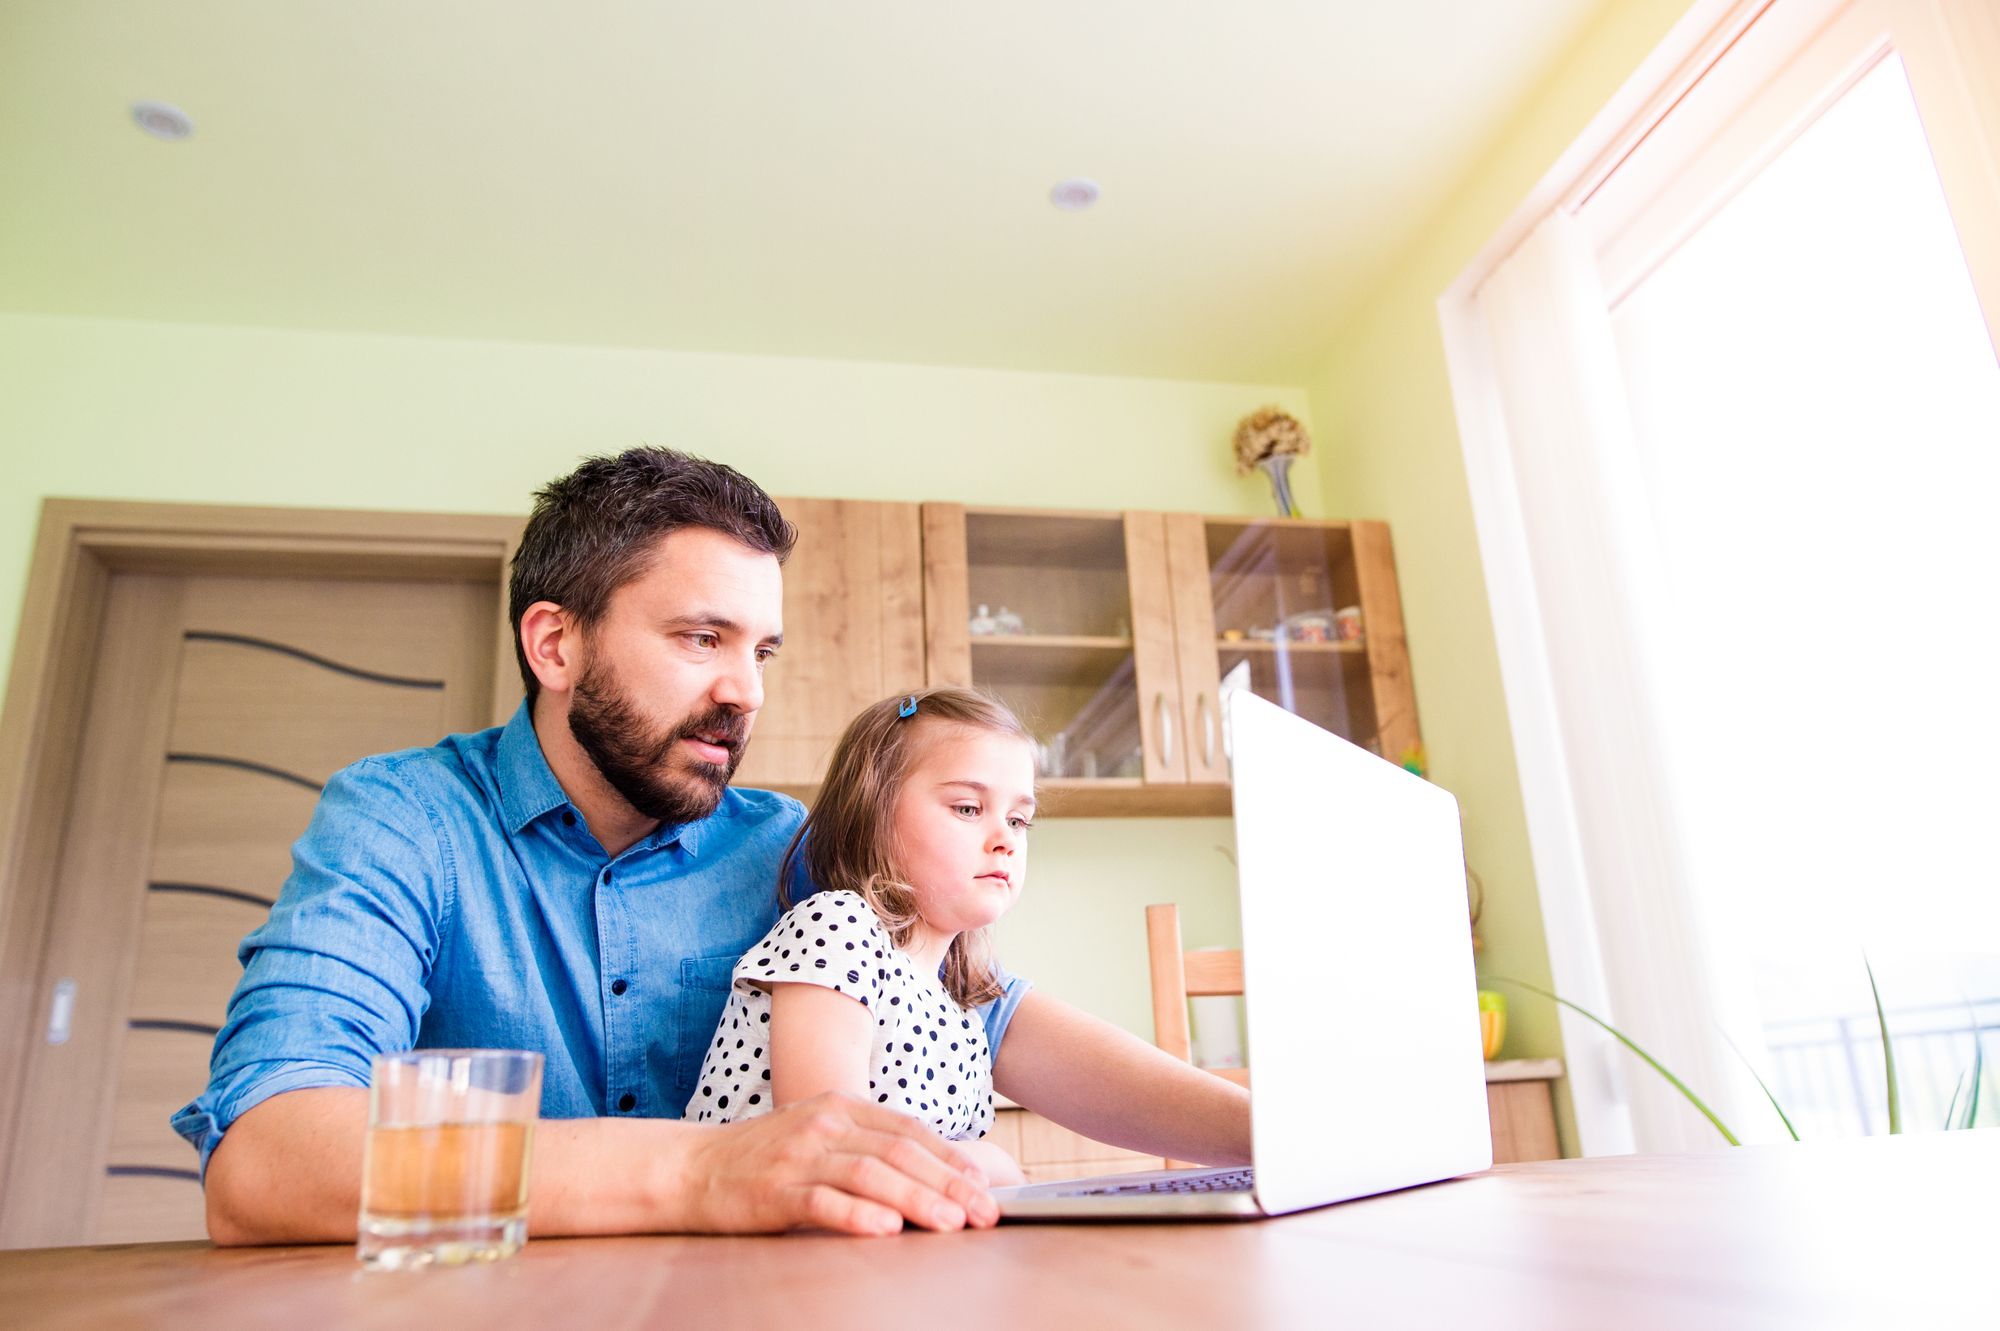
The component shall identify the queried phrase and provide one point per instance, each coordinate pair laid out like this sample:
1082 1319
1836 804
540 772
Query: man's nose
740 685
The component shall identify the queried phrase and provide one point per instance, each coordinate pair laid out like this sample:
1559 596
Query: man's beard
635 757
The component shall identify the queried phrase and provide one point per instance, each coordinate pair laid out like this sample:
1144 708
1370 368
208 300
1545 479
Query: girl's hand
1001 1169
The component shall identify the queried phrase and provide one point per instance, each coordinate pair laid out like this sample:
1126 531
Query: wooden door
854 633
217 709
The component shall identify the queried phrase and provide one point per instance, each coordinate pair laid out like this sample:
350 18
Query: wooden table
1880 1233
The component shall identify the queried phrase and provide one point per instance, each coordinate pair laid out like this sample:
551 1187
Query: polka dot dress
929 1058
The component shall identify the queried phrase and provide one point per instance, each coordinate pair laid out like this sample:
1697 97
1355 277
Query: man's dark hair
593 531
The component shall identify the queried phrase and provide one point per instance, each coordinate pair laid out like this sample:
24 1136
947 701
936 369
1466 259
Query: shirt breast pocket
708 974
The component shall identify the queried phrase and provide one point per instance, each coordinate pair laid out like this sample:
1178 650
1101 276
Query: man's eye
766 655
704 640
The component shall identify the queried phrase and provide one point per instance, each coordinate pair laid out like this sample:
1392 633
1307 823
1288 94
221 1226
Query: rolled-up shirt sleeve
339 972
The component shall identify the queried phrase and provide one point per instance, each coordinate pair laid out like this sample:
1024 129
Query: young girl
918 842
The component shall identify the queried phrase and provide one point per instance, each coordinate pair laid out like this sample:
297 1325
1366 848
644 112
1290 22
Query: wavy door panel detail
310 658
227 827
281 684
158 1072
187 956
291 719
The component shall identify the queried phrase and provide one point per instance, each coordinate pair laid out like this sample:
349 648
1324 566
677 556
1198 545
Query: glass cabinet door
1307 615
1066 616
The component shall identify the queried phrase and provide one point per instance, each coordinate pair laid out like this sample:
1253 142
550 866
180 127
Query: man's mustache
730 729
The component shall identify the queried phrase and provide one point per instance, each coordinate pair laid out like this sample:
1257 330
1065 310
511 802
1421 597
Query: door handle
1206 712
1164 718
62 1009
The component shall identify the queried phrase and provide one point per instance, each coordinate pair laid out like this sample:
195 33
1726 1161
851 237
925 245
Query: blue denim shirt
452 897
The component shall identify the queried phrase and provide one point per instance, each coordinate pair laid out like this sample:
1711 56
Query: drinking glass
445 1177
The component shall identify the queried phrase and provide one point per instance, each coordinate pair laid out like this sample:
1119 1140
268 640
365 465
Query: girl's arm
1105 1083
819 1042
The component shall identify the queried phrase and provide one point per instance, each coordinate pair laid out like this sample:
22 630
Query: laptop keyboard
1232 1180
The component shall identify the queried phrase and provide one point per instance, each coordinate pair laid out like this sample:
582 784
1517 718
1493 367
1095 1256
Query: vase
1278 467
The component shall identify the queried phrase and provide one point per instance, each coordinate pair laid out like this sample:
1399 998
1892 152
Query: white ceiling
862 179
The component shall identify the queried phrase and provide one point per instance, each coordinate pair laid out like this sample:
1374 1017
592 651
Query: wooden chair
1179 975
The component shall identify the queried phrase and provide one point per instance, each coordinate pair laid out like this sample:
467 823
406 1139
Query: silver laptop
1360 1005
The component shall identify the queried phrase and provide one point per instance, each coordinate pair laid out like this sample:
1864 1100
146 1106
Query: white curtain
1589 675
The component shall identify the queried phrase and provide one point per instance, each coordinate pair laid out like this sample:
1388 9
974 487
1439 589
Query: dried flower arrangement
1269 439
1269 433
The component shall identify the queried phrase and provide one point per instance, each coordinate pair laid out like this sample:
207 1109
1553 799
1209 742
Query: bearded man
578 882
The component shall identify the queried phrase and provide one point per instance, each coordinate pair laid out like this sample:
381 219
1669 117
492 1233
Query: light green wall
209 414
206 414
1383 402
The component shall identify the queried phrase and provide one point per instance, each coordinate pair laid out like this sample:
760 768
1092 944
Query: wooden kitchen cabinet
854 634
1112 635
1308 615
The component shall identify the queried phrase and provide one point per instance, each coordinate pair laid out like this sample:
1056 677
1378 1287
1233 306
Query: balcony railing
1827 1071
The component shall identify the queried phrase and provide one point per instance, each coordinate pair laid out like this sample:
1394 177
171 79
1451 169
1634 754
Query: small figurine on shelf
1347 623
1006 622
982 624
1052 755
1309 626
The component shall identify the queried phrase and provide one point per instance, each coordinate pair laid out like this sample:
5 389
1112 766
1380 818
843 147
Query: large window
1817 417
1732 418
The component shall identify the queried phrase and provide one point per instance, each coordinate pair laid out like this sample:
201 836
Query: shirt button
607 875
569 819
626 1101
618 986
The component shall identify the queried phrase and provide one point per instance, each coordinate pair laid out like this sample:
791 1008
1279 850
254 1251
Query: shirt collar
529 789
689 835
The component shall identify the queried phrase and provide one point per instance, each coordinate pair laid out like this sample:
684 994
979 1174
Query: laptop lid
1360 1001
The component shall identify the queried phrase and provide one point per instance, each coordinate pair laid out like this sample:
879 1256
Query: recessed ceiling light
161 120
1075 194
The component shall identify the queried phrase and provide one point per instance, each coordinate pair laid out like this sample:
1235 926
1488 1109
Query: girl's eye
1019 824
966 810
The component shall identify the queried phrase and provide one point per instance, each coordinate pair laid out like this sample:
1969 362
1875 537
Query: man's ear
553 643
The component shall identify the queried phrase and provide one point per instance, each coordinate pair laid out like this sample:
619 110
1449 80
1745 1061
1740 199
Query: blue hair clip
907 708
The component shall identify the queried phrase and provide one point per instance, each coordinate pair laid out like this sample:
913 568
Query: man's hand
831 1162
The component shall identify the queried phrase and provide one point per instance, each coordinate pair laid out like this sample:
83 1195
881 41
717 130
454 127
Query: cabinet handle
1165 720
1203 710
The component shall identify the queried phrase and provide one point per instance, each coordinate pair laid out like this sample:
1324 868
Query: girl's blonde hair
847 841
